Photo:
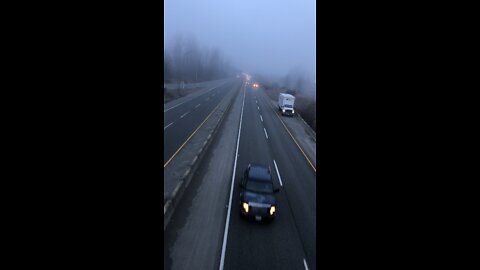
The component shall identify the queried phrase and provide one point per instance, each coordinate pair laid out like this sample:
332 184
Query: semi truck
286 104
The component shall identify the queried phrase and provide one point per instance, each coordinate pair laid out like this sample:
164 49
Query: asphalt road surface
289 241
182 120
196 235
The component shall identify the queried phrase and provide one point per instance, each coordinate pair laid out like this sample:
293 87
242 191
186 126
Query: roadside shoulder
302 133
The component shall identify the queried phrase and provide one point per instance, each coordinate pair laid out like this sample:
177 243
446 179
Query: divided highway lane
183 119
193 237
298 176
279 244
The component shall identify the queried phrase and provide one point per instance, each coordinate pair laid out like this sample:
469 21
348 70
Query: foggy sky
266 36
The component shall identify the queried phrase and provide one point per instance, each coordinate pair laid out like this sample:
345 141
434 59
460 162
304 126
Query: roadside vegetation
185 60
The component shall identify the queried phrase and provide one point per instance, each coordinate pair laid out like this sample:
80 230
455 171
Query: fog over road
267 37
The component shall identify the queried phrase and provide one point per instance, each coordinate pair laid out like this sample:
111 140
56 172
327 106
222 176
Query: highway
286 242
182 119
211 234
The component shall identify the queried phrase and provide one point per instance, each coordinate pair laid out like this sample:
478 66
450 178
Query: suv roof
259 173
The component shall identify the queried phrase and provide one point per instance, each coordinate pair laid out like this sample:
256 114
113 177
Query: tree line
184 60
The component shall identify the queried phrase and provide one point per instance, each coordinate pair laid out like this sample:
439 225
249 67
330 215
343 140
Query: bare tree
184 60
167 66
192 55
178 57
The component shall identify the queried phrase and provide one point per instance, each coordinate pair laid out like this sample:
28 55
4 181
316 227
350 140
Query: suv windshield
257 186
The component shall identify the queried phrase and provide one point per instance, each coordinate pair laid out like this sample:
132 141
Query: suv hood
259 197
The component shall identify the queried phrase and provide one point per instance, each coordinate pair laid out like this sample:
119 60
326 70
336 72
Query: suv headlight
293 111
283 110
272 210
245 207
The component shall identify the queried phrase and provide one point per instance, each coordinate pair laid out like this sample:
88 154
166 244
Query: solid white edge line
167 126
261 118
225 234
305 264
276 168
265 132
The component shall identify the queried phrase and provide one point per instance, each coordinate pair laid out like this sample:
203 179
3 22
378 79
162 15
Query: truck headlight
293 111
283 110
245 207
272 210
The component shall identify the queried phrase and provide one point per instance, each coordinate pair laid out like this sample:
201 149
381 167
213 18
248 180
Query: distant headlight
245 207
272 210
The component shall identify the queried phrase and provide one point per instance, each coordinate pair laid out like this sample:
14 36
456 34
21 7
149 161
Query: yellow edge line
178 150
271 107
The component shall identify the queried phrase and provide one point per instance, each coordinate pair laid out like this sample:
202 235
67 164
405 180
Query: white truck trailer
286 103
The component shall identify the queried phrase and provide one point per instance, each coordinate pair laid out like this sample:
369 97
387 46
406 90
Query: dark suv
257 198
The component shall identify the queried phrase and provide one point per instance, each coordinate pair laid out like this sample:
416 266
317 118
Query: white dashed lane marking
261 118
183 115
305 264
266 135
167 126
198 105
276 168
